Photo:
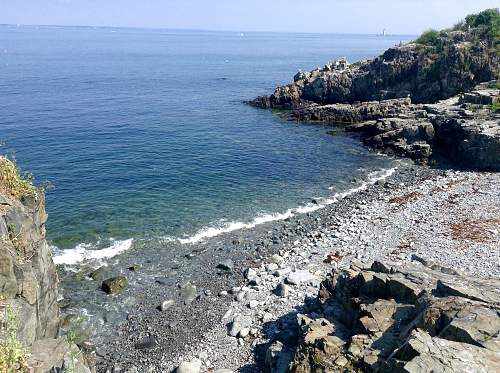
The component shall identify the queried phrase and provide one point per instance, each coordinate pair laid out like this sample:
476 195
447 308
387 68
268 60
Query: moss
13 182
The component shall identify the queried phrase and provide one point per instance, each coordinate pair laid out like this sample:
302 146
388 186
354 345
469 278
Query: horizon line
200 30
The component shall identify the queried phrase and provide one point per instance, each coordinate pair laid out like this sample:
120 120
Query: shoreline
164 346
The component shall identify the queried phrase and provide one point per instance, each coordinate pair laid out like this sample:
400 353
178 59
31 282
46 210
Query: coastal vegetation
12 180
484 26
12 353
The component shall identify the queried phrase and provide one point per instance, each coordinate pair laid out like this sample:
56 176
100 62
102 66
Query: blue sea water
143 132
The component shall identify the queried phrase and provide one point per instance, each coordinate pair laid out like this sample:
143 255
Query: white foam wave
210 232
83 252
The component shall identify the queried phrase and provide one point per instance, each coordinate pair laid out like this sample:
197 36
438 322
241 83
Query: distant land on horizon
387 34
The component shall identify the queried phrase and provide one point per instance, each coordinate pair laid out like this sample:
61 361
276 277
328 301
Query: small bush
12 353
495 107
429 37
494 85
12 182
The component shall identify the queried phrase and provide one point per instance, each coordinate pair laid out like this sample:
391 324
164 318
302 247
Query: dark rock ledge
382 318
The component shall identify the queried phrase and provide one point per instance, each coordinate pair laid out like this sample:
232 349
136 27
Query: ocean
144 135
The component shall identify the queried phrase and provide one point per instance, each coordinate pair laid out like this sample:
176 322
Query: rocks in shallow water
114 285
99 274
226 265
188 293
147 343
390 318
165 305
193 366
134 267
300 277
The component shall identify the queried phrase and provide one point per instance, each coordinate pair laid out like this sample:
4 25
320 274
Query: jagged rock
414 318
57 355
114 285
400 71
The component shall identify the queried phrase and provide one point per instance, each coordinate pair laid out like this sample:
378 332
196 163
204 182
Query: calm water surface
143 132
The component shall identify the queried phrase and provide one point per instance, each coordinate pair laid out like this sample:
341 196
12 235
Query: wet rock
134 267
188 293
114 285
226 265
99 274
165 305
147 343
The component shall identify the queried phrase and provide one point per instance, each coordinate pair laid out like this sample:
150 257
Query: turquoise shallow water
143 132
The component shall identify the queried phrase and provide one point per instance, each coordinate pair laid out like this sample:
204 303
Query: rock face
28 277
426 73
29 285
392 319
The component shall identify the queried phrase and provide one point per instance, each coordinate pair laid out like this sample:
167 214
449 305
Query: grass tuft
13 183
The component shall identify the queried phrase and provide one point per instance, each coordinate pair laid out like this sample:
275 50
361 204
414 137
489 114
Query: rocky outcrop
29 285
463 128
454 63
410 101
28 277
417 318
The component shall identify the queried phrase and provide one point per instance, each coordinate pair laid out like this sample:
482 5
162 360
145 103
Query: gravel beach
250 282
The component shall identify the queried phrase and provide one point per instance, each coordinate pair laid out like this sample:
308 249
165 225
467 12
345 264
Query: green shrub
495 107
429 37
487 24
12 353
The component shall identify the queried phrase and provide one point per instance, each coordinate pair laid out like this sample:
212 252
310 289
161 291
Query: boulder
114 285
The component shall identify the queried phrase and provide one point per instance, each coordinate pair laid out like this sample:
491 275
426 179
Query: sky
346 16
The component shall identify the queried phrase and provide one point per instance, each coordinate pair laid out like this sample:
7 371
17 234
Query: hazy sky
356 16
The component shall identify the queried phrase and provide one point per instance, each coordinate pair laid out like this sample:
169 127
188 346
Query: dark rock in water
147 343
226 265
389 318
114 285
164 280
99 274
134 267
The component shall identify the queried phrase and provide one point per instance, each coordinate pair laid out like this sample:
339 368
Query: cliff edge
29 313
